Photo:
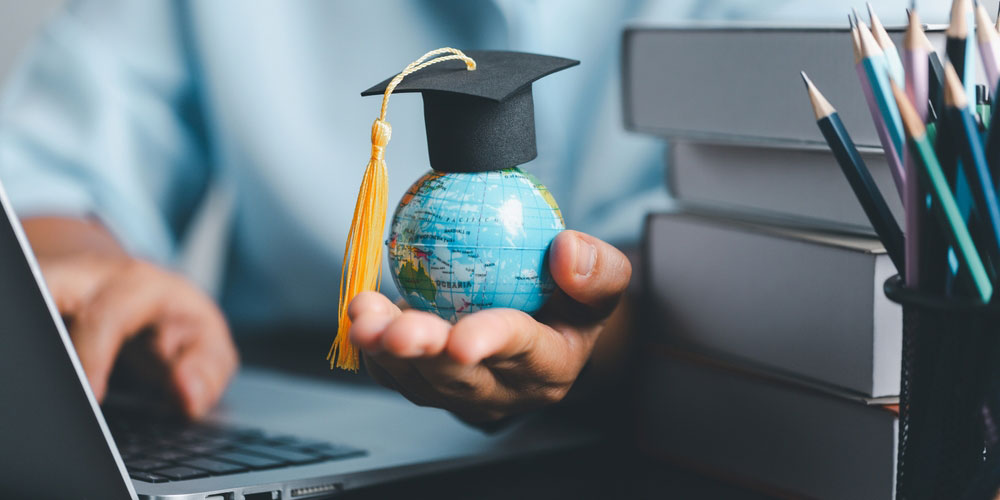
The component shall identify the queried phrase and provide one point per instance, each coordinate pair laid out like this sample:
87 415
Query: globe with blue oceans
463 242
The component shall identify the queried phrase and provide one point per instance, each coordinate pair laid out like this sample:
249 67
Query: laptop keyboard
161 450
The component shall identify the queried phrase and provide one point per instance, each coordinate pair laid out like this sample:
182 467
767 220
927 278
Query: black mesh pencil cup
948 405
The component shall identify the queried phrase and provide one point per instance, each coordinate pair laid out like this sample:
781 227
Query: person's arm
181 338
498 362
105 166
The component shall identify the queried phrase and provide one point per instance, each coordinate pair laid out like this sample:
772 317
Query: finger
589 270
127 303
73 281
201 371
508 334
370 314
414 334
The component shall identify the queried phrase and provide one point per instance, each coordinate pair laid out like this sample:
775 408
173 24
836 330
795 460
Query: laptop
273 435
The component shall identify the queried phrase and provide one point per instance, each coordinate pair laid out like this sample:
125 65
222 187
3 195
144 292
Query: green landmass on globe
462 242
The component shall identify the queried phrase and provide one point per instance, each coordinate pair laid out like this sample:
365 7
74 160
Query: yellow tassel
362 265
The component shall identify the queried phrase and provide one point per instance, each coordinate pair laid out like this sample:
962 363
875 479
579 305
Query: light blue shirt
129 111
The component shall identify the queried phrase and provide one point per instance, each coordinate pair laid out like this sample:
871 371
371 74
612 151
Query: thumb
589 270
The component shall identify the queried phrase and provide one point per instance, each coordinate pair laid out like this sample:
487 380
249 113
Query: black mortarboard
484 119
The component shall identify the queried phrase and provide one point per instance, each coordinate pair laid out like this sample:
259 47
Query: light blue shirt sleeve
99 120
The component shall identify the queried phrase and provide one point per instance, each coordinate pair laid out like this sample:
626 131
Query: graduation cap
484 119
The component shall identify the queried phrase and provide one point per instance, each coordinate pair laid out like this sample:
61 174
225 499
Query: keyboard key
148 477
285 454
146 465
205 448
181 472
240 434
131 456
252 461
168 454
286 441
214 466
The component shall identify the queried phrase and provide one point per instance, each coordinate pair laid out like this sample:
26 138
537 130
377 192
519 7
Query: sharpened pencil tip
821 107
850 21
912 123
954 93
957 27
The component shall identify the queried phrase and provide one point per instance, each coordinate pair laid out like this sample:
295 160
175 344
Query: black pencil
857 175
993 143
935 86
957 39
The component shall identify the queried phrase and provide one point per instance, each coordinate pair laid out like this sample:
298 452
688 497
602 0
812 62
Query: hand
496 362
185 343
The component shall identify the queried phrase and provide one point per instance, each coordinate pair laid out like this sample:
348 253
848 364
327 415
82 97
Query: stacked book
774 355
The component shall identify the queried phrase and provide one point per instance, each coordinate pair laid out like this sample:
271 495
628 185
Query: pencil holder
949 354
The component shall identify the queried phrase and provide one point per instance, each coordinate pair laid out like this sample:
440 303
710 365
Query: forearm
64 236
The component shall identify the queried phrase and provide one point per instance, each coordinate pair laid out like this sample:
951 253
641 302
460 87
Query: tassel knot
381 133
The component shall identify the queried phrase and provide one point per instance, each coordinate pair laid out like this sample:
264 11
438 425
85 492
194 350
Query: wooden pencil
944 205
892 155
960 47
964 134
915 62
895 64
857 174
993 142
873 61
989 46
997 25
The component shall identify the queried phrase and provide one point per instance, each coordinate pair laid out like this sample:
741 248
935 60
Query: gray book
768 434
797 301
742 84
800 184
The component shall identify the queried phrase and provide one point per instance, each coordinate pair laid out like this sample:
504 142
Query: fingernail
586 257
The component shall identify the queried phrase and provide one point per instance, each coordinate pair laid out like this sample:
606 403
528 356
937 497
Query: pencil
943 204
993 143
960 47
915 62
993 131
857 175
989 46
935 86
965 135
997 25
873 61
892 155
895 64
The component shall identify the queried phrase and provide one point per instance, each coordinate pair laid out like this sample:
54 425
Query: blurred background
18 22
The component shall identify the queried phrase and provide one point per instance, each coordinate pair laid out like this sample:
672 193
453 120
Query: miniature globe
463 242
